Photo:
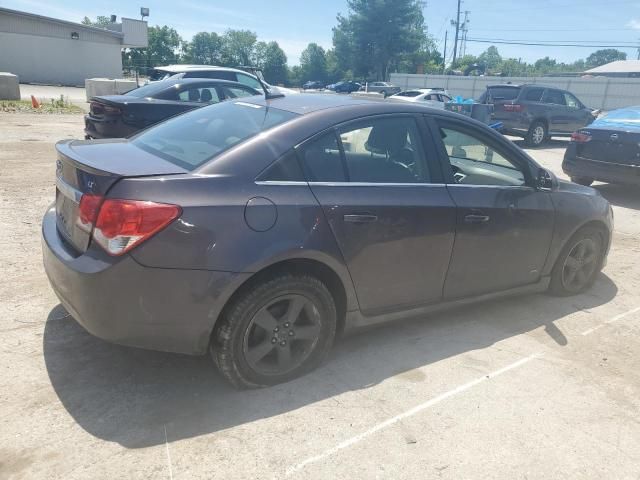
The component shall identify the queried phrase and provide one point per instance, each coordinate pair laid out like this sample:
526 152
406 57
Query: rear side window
196 94
534 94
554 96
192 139
322 161
285 169
502 93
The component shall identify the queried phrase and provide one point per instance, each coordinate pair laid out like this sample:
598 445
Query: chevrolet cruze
261 229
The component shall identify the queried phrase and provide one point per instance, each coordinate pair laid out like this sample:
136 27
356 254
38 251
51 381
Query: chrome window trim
375 184
280 182
68 191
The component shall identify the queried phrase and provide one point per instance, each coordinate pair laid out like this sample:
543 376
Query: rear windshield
196 137
148 90
503 93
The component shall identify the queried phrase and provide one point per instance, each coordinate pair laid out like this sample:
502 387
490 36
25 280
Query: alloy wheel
282 335
538 135
580 265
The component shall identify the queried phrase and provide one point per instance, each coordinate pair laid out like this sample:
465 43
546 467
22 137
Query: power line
496 39
548 44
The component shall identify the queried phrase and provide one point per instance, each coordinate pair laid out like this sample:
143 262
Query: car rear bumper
602 171
106 128
121 301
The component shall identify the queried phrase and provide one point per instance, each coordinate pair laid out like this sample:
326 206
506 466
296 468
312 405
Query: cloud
633 23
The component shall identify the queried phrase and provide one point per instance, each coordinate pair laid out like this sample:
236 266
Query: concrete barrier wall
598 92
9 86
107 86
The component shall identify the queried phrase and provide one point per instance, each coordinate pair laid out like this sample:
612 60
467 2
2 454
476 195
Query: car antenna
268 94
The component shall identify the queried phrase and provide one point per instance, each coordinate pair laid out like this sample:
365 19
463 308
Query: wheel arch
596 224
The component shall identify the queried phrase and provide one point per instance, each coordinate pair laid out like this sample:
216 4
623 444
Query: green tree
313 62
490 58
295 76
238 47
205 49
545 65
335 73
100 21
375 34
607 55
272 60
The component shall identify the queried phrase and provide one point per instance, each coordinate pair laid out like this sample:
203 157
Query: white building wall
51 60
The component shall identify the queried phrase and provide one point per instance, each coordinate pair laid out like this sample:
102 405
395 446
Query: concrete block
9 86
107 86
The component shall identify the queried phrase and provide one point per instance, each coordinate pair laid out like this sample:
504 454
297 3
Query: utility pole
464 28
444 53
455 42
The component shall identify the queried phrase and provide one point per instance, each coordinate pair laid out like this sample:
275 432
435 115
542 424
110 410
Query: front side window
192 139
571 101
199 94
386 150
474 162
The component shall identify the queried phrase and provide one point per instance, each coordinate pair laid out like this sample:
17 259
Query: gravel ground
530 387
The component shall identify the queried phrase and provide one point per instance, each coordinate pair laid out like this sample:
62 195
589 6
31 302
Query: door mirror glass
544 180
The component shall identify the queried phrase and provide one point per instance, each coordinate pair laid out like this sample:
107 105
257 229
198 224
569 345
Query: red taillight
88 211
580 137
513 107
97 108
123 224
111 110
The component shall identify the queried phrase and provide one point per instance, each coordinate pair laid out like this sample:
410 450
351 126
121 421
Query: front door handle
360 218
475 218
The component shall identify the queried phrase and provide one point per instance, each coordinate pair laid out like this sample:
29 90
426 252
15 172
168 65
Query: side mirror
545 180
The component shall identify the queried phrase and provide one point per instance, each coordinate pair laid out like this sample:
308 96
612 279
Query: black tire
242 321
582 181
384 94
537 134
561 279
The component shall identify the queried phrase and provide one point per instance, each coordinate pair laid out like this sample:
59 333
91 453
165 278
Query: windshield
192 139
149 90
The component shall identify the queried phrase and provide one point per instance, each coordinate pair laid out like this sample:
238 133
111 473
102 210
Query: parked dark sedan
261 229
537 112
607 150
345 87
118 116
313 85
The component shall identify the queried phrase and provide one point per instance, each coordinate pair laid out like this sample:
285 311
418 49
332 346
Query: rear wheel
582 181
578 264
536 135
384 93
274 332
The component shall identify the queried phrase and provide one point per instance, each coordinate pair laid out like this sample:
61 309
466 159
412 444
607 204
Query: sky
295 23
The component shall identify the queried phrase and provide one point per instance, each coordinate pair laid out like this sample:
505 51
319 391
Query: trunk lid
611 145
92 168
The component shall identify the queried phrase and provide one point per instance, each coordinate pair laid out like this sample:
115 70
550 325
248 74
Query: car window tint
199 94
474 162
553 96
153 90
322 160
571 101
445 98
534 94
285 169
384 150
236 92
248 80
191 139
409 93
503 93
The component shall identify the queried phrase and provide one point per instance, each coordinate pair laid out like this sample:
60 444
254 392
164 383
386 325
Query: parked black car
261 229
313 85
537 112
116 116
345 87
608 150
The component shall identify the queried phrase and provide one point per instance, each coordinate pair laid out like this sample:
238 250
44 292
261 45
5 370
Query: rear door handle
475 218
360 218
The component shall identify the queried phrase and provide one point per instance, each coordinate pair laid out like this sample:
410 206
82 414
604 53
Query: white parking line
166 444
417 409
611 320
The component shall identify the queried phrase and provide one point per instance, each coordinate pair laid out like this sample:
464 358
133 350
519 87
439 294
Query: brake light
112 110
89 207
513 107
123 224
580 137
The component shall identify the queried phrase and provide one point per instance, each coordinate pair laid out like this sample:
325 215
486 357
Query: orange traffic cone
34 102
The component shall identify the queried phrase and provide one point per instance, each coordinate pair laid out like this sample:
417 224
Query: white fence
598 92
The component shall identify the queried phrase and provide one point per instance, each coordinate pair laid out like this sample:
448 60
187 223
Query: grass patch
54 105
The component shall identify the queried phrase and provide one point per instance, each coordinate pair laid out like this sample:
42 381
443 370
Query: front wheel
536 135
578 264
274 332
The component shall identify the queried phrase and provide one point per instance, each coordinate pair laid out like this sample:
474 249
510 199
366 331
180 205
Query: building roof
78 26
619 66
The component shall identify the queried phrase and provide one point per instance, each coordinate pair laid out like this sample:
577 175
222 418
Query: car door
503 224
557 112
579 115
380 187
